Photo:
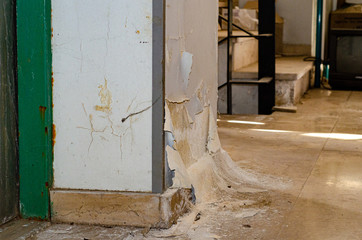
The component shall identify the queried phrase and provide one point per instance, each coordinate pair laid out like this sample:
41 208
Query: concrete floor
312 162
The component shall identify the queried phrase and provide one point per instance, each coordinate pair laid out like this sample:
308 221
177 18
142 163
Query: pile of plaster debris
222 189
215 175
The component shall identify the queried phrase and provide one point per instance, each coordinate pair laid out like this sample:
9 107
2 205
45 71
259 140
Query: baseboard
119 208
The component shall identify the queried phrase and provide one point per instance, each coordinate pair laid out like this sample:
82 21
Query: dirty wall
191 92
102 95
194 154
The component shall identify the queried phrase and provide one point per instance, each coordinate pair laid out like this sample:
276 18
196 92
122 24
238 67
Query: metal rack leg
229 57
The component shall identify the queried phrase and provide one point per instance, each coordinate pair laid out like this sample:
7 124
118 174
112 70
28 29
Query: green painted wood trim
35 106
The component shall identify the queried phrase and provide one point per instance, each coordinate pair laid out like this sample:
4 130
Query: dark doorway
8 113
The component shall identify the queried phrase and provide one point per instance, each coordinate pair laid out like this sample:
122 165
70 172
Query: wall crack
141 111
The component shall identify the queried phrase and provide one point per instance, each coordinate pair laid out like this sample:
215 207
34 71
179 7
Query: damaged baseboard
119 208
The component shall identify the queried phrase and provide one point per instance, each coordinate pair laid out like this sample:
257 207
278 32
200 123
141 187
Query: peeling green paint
35 106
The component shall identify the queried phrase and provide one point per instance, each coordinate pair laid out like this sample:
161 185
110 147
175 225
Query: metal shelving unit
266 38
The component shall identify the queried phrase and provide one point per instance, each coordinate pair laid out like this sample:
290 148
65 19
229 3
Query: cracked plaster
102 65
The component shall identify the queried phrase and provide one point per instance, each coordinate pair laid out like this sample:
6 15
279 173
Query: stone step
286 68
293 76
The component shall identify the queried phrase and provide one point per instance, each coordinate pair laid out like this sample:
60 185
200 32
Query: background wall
300 20
102 64
297 16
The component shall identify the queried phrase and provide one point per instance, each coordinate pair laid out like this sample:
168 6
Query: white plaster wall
191 49
191 86
102 65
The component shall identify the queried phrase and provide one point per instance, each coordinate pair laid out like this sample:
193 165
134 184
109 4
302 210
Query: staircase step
252 81
293 78
287 68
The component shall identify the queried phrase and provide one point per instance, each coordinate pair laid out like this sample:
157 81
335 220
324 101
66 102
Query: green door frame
35 107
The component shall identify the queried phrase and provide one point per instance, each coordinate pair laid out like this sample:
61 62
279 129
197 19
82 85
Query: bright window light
338 136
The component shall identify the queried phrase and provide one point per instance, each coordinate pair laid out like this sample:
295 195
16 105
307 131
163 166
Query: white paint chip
213 141
186 68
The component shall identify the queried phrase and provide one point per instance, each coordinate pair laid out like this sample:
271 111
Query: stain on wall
105 97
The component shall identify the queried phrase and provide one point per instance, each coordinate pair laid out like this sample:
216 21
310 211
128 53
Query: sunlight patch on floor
244 122
271 130
338 136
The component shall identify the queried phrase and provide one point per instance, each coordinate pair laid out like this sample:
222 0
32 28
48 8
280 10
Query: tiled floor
316 151
320 149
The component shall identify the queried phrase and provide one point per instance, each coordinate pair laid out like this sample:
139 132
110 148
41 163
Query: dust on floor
291 166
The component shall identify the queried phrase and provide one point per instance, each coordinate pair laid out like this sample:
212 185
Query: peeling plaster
191 86
168 122
194 154
181 177
213 141
197 102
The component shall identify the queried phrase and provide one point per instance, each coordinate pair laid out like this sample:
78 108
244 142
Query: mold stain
105 96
